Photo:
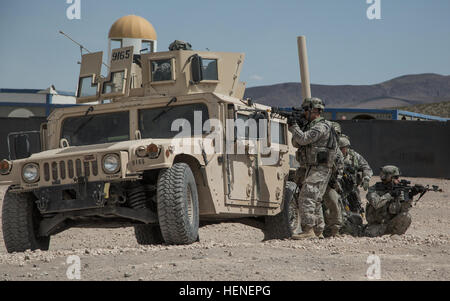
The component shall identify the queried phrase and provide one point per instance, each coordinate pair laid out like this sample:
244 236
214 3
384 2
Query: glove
394 208
395 193
365 184
291 121
401 196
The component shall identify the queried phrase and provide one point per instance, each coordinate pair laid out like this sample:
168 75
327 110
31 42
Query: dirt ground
232 251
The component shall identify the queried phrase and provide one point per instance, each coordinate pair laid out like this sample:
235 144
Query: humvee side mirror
22 146
196 69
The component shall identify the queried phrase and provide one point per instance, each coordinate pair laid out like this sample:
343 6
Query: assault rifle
396 189
296 114
348 190
348 182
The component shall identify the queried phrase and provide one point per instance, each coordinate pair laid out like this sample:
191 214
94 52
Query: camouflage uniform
316 159
354 163
332 210
387 213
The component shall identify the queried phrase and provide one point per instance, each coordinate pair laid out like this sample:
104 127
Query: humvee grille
70 167
46 172
78 167
61 170
94 168
54 171
87 171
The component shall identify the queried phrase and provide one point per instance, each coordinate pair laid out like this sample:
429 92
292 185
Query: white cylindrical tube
304 69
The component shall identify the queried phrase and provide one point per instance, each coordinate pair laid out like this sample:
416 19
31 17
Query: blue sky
344 46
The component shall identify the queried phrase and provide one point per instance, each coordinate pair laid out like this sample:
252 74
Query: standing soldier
316 154
332 210
356 172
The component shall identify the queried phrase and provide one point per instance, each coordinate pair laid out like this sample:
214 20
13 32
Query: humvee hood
96 148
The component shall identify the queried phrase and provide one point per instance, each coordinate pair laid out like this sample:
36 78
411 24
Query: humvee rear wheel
287 222
148 234
177 201
20 223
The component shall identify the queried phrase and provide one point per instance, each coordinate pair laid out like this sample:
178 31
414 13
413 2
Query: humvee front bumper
83 195
84 200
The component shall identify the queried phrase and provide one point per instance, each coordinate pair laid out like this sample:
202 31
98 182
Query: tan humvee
122 162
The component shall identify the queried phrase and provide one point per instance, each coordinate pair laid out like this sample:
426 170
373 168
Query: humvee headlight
111 163
153 151
30 173
5 167
141 151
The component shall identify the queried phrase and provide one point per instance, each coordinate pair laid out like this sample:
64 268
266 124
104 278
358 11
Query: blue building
33 102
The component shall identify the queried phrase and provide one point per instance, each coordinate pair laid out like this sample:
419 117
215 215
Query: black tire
20 223
177 201
287 222
148 234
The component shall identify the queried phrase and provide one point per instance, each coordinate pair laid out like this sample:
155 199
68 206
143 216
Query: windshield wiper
174 99
90 109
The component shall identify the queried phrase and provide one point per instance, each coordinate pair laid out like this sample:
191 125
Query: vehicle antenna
81 46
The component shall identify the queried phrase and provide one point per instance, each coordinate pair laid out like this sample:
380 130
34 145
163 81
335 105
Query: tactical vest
321 152
351 165
353 159
389 210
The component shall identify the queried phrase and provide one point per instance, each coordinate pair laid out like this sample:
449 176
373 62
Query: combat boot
308 232
334 232
319 234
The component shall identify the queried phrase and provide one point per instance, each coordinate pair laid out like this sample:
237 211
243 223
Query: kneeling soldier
387 210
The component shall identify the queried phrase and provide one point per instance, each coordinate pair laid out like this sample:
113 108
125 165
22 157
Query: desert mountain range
402 91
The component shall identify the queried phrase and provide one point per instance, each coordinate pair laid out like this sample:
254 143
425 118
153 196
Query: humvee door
258 164
88 81
242 160
117 84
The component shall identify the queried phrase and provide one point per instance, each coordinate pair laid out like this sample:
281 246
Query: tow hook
99 196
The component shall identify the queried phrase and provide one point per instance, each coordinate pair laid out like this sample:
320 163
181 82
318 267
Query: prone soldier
317 146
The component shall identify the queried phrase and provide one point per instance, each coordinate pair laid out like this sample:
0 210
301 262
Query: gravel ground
232 251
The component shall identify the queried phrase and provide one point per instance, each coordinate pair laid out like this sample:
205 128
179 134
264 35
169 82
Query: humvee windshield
157 122
97 128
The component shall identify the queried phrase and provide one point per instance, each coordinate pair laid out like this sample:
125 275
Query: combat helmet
337 128
344 141
313 103
389 171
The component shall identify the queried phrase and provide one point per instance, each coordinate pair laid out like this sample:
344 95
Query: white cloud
256 77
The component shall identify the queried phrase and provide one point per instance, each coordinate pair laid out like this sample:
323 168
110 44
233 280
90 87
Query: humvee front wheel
287 222
177 201
148 234
20 223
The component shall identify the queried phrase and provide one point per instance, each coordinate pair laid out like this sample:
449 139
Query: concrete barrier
418 148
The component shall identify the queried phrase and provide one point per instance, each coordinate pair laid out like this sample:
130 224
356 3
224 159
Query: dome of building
133 27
